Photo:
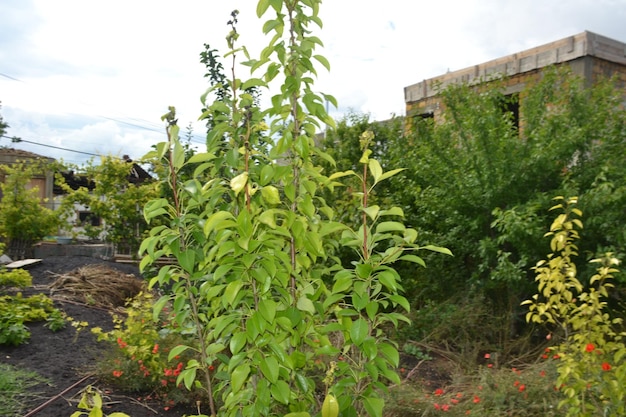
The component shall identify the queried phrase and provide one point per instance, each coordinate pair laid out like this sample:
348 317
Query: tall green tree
23 219
481 185
280 325
113 198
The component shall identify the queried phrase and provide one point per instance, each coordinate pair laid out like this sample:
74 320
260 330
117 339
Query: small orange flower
487 356
522 388
117 374
155 350
590 347
606 366
438 392
476 399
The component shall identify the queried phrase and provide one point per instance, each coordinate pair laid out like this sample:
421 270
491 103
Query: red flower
445 407
522 388
606 366
487 356
437 406
117 374
490 365
155 350
438 392
121 343
476 399
542 373
590 347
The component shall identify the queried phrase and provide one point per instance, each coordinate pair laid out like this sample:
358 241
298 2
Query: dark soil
66 359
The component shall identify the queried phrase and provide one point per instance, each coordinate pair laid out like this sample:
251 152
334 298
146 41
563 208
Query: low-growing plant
138 359
91 404
591 352
487 391
17 310
15 278
16 389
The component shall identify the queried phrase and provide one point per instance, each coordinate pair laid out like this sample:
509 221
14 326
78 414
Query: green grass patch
16 389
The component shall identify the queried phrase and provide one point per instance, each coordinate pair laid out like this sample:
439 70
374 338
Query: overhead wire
197 139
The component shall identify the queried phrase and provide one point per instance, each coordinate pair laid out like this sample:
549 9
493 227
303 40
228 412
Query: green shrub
138 358
16 310
488 391
15 278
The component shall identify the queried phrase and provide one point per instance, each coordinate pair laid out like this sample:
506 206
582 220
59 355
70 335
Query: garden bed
66 358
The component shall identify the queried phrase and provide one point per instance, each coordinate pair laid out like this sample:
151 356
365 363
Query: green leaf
237 342
413 258
232 291
238 183
178 154
269 367
218 221
189 376
200 157
305 304
372 212
281 392
239 377
343 281
389 352
298 414
267 174
389 174
322 60
158 306
375 169
176 351
267 308
388 279
393 211
253 82
374 406
270 195
359 331
384 227
439 249
187 260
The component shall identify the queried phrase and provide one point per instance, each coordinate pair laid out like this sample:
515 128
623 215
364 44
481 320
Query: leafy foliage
17 387
256 280
139 348
591 368
17 310
23 220
114 199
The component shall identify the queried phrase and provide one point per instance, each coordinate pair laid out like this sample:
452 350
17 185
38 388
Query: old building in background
589 55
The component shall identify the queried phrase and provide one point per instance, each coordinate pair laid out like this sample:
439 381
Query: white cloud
85 66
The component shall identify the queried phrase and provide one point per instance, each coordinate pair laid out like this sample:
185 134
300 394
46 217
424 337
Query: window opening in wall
511 106
87 217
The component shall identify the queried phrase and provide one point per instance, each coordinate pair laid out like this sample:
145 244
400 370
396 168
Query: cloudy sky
95 76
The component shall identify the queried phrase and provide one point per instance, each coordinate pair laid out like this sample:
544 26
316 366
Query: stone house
589 55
